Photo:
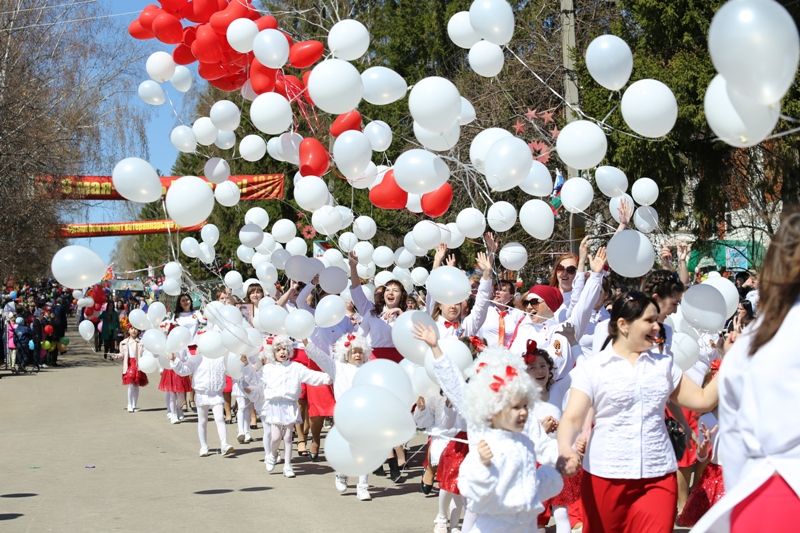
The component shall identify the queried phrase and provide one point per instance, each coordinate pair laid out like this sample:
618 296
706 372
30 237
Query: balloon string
445 437
55 23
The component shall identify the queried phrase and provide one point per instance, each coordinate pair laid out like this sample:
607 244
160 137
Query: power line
70 21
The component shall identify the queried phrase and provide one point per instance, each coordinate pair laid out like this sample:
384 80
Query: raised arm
185 367
625 211
477 316
683 262
689 395
286 296
450 379
312 377
324 360
302 298
582 311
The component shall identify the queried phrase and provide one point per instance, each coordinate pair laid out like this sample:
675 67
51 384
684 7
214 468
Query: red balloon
262 78
137 31
305 54
306 95
175 7
288 38
267 22
436 203
189 35
167 29
203 9
48 329
230 83
211 71
182 55
288 86
206 47
222 19
148 15
388 194
314 158
345 122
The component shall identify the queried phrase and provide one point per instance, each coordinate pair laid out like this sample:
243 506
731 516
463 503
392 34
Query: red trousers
629 505
773 508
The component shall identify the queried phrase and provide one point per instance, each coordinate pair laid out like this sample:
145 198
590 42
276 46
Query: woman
562 277
629 483
744 315
108 333
759 436
174 386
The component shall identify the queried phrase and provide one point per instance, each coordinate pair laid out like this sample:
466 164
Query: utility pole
577 225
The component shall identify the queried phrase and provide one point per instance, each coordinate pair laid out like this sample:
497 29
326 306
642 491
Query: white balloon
348 39
453 236
649 108
383 256
493 20
257 216
486 59
245 253
217 170
390 421
364 228
729 293
685 350
271 48
148 363
411 245
268 244
630 254
233 363
426 234
479 148
182 79
189 201
290 147
611 181
139 320
275 149
178 339
225 140
404 258
367 271
615 203
609 61
538 182
299 324
330 311
252 148
703 306
210 345
297 246
326 220
461 32
151 93
271 113
420 171
438 141
77 267
419 275
335 86
379 135
352 153
348 240
210 234
173 269
576 195
311 193
754 44
160 66
383 85
247 91
471 223
738 120
501 216
352 459
508 163
448 285
387 375
206 253
434 103
271 319
467 114
227 194
225 115
403 336
645 191
136 180
457 352
366 178
581 144
205 132
241 33
513 256
233 279
645 218
171 286
182 138
267 273
190 247
333 280
363 251
155 341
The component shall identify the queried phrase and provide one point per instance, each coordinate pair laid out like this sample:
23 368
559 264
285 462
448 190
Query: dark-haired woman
742 318
629 485
174 386
759 436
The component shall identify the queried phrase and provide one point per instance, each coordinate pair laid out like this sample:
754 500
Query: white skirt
280 412
208 399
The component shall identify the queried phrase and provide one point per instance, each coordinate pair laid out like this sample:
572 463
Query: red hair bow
499 382
269 340
350 338
477 343
480 367
530 354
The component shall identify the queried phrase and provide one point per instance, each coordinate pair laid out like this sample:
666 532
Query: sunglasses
533 301
571 270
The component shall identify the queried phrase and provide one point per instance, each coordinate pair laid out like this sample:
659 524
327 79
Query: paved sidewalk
75 460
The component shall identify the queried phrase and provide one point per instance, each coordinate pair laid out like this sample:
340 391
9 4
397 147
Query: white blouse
281 381
324 338
630 439
470 325
377 331
491 326
208 375
341 373
759 423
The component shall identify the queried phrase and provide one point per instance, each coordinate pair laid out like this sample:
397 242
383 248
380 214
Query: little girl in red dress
131 349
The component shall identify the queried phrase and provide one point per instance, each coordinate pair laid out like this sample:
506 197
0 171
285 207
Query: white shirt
341 373
281 381
491 326
208 375
759 423
630 439
586 341
324 338
377 331
130 349
472 323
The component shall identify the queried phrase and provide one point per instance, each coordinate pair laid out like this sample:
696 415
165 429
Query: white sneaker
269 462
247 439
362 492
240 439
228 451
130 409
440 525
204 452
288 471
340 482
174 420
180 416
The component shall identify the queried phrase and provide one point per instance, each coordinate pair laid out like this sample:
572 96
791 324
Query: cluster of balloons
173 274
203 250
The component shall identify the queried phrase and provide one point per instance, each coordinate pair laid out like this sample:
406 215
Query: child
280 379
208 381
710 489
131 350
351 351
498 476
242 389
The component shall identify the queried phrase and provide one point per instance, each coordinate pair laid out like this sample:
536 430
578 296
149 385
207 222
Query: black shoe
425 488
380 472
394 471
314 457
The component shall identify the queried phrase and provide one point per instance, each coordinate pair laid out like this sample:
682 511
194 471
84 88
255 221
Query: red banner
113 229
252 187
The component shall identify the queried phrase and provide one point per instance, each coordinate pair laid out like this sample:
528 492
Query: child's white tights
562 520
243 416
272 440
133 396
219 421
454 511
172 404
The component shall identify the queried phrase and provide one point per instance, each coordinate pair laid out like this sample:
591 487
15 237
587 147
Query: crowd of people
574 410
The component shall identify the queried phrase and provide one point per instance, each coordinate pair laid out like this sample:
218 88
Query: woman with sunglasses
759 424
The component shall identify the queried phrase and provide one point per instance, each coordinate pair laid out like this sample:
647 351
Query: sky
162 119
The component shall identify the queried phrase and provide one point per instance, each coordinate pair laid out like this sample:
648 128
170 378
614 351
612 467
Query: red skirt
450 463
134 376
773 507
172 382
690 455
320 397
228 385
571 491
388 352
703 496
